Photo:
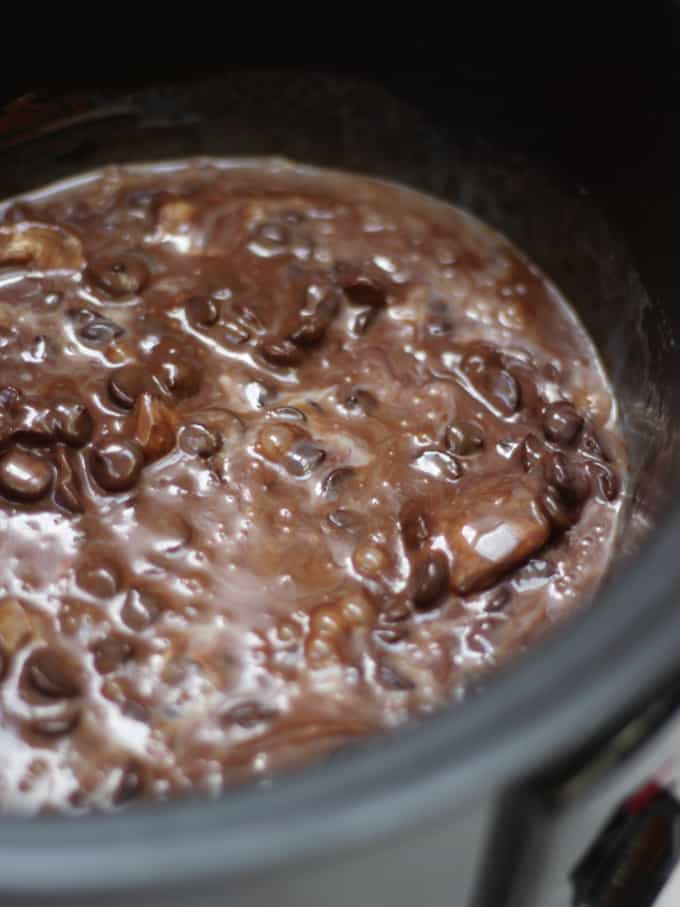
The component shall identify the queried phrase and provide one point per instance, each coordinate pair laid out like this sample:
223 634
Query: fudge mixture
287 458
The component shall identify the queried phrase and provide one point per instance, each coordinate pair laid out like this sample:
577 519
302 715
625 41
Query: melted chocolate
286 457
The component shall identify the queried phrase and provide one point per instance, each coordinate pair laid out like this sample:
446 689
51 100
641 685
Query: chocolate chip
439 465
140 198
396 612
271 233
25 476
98 331
126 384
591 446
52 674
285 352
4 662
68 491
494 384
606 481
310 331
141 609
73 422
98 578
234 333
9 397
32 424
557 508
334 481
347 520
430 581
110 653
249 318
568 477
364 292
222 422
464 438
499 599
561 423
392 635
304 457
360 402
176 373
199 441
201 311
287 414
392 680
532 452
363 320
506 392
312 328
119 275
131 784
414 525
249 714
439 321
116 466
438 327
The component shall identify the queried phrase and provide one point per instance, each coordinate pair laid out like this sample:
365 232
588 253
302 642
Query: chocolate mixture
286 457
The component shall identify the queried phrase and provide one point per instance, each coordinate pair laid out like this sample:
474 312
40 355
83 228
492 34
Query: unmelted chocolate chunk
283 353
95 330
201 311
199 441
561 422
498 526
493 384
116 466
52 674
605 480
25 476
335 480
360 289
415 526
363 320
303 457
360 402
464 438
391 679
126 384
430 580
312 328
74 423
176 370
286 458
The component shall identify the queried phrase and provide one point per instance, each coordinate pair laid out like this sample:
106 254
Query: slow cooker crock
493 801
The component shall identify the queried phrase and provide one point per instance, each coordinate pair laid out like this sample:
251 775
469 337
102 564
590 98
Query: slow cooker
552 784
